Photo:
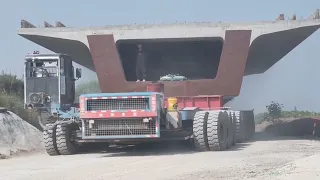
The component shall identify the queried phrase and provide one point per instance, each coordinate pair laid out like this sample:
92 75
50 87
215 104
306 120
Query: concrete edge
285 23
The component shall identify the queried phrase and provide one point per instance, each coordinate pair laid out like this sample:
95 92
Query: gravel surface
265 158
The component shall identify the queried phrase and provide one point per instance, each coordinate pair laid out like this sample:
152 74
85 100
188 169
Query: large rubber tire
217 130
49 138
64 144
240 127
229 130
234 128
200 141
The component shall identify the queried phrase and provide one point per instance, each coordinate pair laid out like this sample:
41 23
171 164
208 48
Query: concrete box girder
268 43
74 41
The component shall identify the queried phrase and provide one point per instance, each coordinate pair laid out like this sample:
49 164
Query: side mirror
78 73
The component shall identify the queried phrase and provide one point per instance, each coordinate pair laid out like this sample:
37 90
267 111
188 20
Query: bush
11 97
15 104
299 114
87 87
11 84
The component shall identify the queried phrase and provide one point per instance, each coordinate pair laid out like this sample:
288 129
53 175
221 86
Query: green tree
274 111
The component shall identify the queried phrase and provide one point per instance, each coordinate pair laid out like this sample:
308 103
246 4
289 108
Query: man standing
140 64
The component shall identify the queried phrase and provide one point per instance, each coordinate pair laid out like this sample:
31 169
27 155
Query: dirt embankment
292 127
17 136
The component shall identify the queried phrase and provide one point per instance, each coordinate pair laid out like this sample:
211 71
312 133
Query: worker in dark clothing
140 64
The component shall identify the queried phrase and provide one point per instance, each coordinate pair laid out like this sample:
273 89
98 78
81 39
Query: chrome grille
118 104
119 127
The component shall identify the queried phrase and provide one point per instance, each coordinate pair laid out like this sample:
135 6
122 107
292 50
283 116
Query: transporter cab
127 117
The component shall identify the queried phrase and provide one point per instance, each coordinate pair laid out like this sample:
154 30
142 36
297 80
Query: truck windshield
42 68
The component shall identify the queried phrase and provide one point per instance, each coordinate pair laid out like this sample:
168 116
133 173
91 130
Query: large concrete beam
276 36
242 53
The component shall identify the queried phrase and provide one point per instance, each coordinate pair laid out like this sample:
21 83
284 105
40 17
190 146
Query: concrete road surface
266 158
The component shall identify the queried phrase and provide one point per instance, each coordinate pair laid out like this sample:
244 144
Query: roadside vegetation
275 113
11 97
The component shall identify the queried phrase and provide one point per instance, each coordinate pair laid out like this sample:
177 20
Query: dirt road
266 158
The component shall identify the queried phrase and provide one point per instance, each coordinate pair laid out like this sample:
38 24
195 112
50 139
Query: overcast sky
293 81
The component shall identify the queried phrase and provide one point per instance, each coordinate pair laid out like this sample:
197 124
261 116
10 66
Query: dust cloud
293 81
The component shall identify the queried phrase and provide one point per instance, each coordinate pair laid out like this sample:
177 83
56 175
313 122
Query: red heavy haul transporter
149 116
127 117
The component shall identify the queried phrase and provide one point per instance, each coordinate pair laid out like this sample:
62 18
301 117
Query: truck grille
118 104
120 127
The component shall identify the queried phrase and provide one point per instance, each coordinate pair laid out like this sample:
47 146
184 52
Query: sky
293 81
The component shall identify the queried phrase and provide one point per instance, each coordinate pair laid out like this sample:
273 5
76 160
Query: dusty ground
266 158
